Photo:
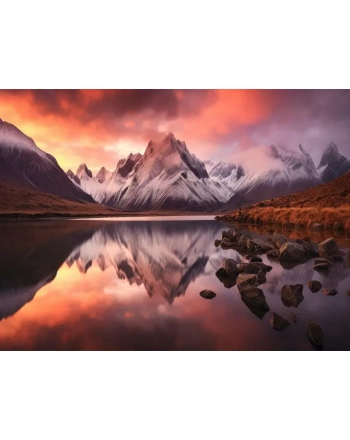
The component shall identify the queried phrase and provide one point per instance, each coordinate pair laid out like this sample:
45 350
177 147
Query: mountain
103 175
31 257
23 164
326 204
287 172
165 257
166 177
333 164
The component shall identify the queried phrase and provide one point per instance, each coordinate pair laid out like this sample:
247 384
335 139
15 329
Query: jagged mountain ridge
166 177
333 164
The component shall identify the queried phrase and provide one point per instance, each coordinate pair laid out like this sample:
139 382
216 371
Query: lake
134 283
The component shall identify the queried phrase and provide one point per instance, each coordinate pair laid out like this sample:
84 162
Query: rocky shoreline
251 275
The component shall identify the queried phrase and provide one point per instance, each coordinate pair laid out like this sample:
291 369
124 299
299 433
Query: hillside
325 204
18 202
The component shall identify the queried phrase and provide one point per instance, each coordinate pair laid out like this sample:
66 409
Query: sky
99 127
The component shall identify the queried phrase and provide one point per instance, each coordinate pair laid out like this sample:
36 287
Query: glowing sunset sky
99 127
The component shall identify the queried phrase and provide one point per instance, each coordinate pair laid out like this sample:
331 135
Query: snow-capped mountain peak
333 164
83 172
103 175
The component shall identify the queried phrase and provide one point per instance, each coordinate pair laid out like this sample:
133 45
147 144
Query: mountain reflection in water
87 285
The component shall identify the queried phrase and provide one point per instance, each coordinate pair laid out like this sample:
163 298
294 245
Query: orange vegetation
324 204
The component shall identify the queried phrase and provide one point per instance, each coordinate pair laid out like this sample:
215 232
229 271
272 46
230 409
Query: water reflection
87 285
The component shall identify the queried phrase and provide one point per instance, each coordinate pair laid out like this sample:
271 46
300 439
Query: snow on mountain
333 164
285 171
209 165
22 163
103 175
166 177
162 256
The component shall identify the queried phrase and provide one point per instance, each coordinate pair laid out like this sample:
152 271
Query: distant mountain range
167 177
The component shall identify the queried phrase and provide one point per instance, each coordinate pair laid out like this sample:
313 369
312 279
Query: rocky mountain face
333 164
166 177
23 164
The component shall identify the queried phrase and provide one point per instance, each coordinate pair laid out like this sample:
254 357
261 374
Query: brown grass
324 204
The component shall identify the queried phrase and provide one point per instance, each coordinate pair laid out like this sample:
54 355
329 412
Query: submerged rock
315 333
278 322
330 292
337 258
328 248
348 292
292 295
207 294
314 285
255 297
292 252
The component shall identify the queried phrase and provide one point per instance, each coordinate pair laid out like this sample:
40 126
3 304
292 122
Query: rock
227 282
307 239
321 267
314 286
314 332
293 317
330 292
207 294
337 258
279 239
246 280
273 254
278 322
257 245
292 295
292 252
348 292
254 267
261 277
226 243
253 258
242 241
217 243
309 250
227 234
322 260
328 248
230 268
255 297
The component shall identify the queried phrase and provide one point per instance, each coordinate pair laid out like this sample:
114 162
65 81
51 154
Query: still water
133 284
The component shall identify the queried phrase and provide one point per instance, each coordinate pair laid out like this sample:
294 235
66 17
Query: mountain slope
21 202
333 164
287 172
326 204
167 177
23 164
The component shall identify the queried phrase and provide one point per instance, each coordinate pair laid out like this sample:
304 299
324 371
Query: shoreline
21 217
310 218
